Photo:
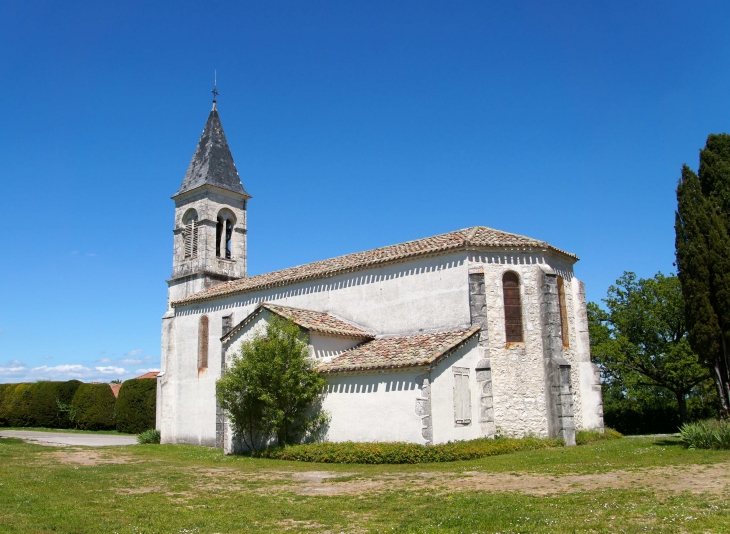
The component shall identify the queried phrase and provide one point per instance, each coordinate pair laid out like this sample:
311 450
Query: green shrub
17 405
403 453
5 390
708 434
44 404
36 404
135 408
94 407
151 436
583 437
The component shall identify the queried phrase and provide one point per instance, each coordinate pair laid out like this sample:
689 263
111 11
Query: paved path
68 438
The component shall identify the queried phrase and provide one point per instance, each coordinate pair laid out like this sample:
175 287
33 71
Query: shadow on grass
667 442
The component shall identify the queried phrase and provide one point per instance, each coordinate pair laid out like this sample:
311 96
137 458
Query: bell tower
210 217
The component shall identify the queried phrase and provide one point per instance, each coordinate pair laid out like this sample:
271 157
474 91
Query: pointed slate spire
212 162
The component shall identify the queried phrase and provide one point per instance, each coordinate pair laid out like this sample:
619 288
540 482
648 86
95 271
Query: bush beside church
74 404
135 407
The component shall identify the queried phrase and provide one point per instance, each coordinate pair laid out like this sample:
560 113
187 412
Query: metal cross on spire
215 84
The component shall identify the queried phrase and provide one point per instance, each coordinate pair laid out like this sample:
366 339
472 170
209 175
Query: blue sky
353 125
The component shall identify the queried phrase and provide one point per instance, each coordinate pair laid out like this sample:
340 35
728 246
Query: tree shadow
668 442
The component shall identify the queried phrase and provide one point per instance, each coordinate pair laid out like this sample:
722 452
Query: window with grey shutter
462 397
191 238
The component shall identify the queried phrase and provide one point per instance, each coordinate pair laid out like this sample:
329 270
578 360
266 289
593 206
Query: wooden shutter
191 239
512 308
462 396
188 237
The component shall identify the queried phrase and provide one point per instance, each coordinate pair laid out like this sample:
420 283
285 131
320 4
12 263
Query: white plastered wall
376 406
326 347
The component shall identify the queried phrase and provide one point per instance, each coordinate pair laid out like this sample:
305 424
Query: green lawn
629 485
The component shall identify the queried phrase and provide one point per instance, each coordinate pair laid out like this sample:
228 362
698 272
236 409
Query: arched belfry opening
224 235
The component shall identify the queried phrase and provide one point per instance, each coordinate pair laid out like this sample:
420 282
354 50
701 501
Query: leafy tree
271 390
702 226
640 340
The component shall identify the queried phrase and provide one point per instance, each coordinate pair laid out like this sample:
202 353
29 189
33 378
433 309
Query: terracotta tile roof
318 321
308 319
401 351
151 374
475 237
115 389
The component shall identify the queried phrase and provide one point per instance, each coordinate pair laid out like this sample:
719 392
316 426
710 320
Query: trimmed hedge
403 453
36 404
44 403
136 405
16 405
4 391
94 407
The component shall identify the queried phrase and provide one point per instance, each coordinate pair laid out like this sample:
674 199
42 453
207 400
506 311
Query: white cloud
18 371
77 371
12 367
131 361
134 352
111 370
47 357
104 360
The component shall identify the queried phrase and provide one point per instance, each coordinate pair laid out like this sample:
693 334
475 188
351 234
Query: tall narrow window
218 232
190 236
512 307
203 342
229 235
563 313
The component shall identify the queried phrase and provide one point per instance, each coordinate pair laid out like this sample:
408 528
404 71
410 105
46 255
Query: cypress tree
702 226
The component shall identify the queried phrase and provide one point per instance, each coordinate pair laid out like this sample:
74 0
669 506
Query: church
472 333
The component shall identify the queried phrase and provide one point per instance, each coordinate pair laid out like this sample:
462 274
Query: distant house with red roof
117 387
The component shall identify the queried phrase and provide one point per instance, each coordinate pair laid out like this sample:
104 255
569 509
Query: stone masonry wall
518 383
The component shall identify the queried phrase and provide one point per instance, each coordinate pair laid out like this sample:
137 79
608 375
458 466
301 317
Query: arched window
563 313
223 236
190 234
203 342
512 307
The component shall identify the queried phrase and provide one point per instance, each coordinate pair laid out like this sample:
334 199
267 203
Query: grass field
628 485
